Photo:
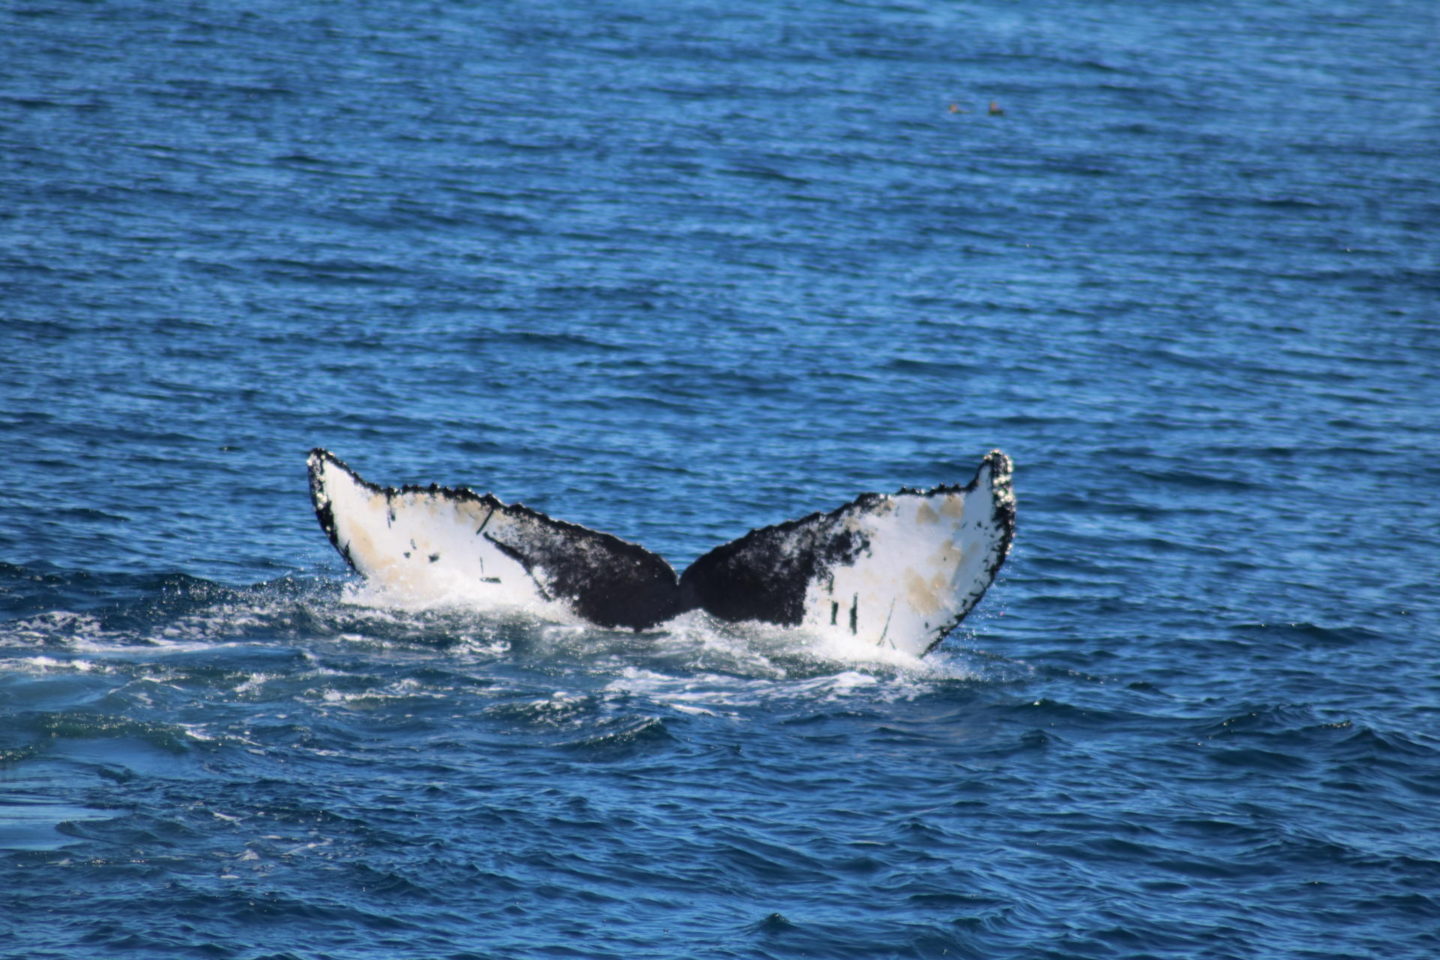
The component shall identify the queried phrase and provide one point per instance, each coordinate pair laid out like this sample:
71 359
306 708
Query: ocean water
675 271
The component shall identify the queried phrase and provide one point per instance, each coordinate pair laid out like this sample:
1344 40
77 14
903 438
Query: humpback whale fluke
899 570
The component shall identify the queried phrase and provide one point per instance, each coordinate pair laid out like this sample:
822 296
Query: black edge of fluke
1002 498
315 463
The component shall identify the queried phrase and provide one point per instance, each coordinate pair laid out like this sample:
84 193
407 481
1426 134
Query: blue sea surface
673 271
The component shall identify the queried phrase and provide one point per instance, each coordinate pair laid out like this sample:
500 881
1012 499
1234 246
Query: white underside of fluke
930 558
426 547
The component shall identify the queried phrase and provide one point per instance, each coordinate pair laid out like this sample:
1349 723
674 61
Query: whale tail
897 570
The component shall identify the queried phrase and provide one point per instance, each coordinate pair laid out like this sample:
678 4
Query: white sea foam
48 664
727 694
52 626
443 595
